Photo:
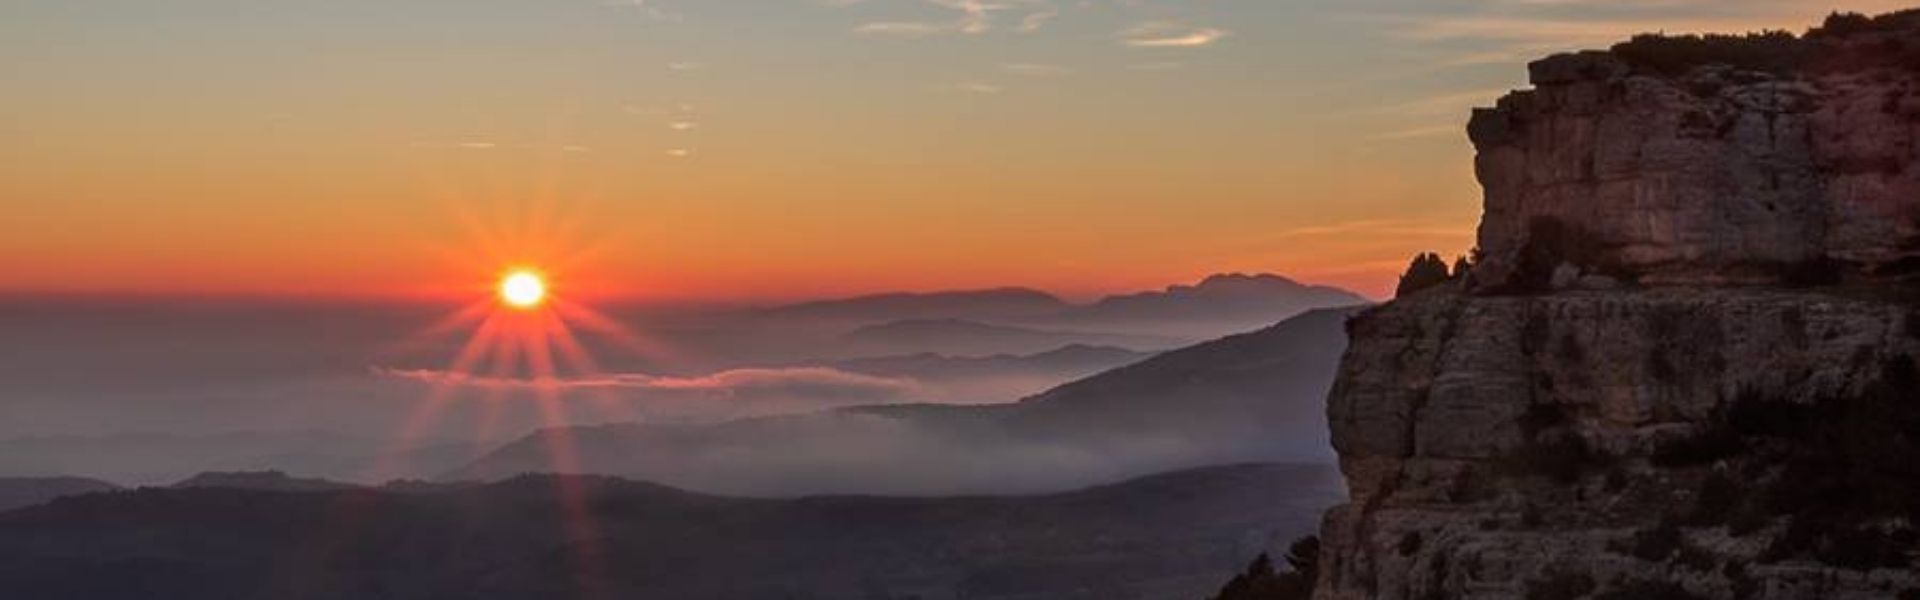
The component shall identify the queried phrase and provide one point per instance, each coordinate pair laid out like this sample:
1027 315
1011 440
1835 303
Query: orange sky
760 149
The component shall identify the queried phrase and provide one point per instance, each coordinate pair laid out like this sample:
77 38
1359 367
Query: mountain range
1216 305
964 337
152 458
1249 397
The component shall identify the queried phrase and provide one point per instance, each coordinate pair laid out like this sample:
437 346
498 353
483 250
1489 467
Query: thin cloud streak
1169 34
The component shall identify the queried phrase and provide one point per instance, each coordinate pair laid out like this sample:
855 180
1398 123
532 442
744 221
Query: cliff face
1683 366
1716 175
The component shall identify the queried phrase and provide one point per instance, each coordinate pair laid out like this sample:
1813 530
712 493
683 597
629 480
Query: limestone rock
1715 176
1579 419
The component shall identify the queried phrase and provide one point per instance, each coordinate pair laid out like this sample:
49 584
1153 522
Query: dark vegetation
1552 242
1261 582
1780 52
1426 270
1770 51
1850 471
1552 450
1844 471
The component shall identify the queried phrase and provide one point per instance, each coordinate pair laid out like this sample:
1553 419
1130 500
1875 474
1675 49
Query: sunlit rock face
1684 366
1720 174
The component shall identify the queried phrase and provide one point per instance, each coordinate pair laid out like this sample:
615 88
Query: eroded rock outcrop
1717 174
1684 366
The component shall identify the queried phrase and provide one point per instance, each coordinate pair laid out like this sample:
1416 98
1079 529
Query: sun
522 289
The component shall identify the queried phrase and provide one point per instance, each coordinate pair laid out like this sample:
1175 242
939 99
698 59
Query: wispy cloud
1035 21
903 28
1170 34
971 17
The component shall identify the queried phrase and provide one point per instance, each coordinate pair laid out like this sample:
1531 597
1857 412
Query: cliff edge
1682 364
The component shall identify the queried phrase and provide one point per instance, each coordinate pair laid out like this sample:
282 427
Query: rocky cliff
1770 155
1683 363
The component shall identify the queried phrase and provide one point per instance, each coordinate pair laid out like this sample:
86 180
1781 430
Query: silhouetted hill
273 481
1077 359
960 336
16 492
1167 536
1235 302
1264 387
156 458
968 304
1250 397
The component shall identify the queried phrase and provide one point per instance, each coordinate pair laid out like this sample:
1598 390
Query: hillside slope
17 492
1166 536
1250 397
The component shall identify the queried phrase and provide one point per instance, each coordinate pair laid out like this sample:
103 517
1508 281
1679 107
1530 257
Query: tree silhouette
1426 270
1261 582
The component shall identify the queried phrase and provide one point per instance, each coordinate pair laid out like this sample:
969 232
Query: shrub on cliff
1842 24
1426 270
1262 582
1848 475
1780 52
1552 242
1771 51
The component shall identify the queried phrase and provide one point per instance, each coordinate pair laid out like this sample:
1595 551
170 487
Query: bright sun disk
522 289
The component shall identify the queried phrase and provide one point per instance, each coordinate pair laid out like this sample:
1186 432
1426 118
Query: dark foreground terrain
1168 536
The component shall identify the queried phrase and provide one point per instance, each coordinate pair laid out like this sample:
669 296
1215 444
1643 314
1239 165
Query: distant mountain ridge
961 336
1233 301
1237 294
18 492
934 366
158 458
1250 397
260 480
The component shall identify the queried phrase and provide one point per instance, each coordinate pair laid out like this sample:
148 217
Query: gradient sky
760 148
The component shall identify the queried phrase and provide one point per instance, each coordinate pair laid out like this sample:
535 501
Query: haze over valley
318 390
